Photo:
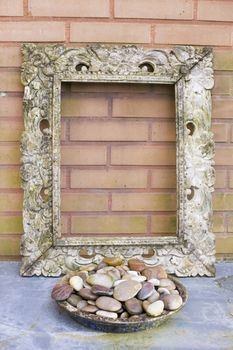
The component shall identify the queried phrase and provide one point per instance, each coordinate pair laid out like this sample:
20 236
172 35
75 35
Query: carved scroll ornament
44 251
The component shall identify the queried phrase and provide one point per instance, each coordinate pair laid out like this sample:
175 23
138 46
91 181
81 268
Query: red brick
72 202
83 155
231 179
163 224
218 223
9 177
32 31
11 224
193 34
223 201
143 202
10 81
211 10
222 84
231 134
150 107
220 132
163 178
106 224
143 155
84 106
223 60
63 130
164 9
164 131
11 130
109 131
10 57
11 106
109 179
166 178
224 245
64 224
10 154
224 156
222 108
11 202
63 178
110 32
11 8
230 223
9 246
71 8
220 181
116 87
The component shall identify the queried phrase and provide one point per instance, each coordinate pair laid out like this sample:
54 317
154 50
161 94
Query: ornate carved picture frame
45 67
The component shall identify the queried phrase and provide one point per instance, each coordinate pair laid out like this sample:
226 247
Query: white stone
167 283
155 309
155 282
174 291
172 302
134 273
100 279
133 277
107 314
118 282
76 282
138 278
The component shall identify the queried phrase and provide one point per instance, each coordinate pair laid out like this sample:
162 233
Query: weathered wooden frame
44 251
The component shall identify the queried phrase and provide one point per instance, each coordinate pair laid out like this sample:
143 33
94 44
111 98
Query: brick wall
117 187
118 159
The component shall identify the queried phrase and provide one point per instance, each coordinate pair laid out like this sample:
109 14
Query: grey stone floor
30 319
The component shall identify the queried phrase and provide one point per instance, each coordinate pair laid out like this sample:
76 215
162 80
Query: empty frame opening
118 160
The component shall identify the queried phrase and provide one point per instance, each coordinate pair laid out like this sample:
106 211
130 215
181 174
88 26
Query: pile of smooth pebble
115 290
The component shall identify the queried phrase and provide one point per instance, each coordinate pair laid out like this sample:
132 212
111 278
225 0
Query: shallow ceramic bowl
123 326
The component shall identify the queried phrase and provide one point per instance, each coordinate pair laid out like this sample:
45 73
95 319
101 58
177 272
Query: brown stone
88 268
114 261
121 270
136 265
108 304
154 272
87 294
101 265
101 290
126 290
134 306
82 303
124 315
114 273
74 299
90 309
61 291
146 291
